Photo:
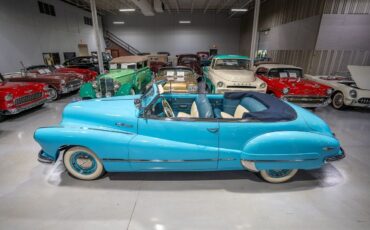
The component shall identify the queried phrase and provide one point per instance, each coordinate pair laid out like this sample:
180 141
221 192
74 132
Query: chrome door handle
123 125
213 130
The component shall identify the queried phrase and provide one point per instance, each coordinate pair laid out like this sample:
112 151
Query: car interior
204 106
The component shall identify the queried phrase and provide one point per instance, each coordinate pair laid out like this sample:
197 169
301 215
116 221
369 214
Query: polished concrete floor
36 196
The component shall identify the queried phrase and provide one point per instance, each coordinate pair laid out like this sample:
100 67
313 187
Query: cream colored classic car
352 89
231 73
179 79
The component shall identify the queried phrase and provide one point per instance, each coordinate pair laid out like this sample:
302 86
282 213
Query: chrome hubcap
338 100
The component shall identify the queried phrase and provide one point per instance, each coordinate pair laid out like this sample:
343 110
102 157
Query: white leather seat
239 112
193 112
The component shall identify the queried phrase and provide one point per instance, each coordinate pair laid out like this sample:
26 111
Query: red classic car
59 83
190 60
287 82
16 97
84 74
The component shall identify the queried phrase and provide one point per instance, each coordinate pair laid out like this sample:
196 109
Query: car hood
115 74
302 86
20 88
57 76
361 75
105 113
235 75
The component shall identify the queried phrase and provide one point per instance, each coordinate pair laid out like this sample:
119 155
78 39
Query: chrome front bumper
308 101
23 108
71 88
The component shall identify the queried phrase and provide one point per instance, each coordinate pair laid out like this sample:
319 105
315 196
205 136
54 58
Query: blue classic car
188 132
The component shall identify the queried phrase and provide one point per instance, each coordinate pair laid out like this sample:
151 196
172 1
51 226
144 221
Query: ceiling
170 6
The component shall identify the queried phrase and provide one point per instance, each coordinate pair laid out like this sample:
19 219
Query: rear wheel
83 164
278 175
338 100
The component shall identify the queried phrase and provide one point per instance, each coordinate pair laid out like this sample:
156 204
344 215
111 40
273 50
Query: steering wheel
167 108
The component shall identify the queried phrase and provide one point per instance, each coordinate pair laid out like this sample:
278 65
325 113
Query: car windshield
231 64
114 66
188 59
285 73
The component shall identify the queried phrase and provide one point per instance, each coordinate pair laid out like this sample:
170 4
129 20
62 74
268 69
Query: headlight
98 95
220 84
353 93
116 85
329 91
108 94
95 84
8 97
262 85
63 82
285 90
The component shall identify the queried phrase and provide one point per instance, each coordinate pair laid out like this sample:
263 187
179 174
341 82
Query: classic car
188 132
157 61
350 89
58 83
204 58
190 60
85 75
16 97
231 73
179 79
127 75
87 62
287 82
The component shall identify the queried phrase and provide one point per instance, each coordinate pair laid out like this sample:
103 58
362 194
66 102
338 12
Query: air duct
158 6
144 6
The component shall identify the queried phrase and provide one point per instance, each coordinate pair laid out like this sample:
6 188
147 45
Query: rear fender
290 150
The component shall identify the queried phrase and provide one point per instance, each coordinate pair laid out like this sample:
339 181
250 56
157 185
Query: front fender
104 143
124 89
87 91
290 150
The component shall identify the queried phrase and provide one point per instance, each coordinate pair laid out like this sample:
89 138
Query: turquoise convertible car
188 132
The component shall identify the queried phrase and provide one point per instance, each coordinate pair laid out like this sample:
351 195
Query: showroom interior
185 114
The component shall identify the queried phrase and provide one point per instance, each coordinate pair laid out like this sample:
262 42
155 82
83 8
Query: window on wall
88 21
46 8
69 55
51 58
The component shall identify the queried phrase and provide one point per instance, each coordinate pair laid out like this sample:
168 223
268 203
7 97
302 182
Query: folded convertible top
276 110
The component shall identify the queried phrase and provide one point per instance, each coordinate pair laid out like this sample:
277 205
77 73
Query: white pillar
97 35
255 31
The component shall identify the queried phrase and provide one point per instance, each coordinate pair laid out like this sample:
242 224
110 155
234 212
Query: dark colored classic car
190 60
205 59
58 83
164 52
287 82
157 61
179 79
16 97
86 62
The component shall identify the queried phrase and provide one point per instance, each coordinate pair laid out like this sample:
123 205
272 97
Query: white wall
25 33
163 32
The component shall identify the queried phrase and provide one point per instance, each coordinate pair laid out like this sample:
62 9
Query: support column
97 35
255 31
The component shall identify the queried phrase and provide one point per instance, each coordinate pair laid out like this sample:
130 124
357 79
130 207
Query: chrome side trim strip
106 130
273 161
166 161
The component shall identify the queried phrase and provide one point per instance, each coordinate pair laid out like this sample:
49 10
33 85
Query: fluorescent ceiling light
239 10
184 22
127 10
118 23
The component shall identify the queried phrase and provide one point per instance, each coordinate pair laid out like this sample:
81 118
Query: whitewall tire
338 100
278 175
82 163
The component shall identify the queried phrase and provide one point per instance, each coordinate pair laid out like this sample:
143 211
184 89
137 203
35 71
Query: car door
142 77
178 145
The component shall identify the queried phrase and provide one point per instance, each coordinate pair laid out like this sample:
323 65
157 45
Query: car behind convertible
188 132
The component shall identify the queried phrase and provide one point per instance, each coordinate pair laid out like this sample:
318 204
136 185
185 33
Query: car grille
106 85
74 83
27 98
241 87
364 100
306 100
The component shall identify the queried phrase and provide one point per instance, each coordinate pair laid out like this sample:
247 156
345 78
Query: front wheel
53 94
338 100
82 163
278 175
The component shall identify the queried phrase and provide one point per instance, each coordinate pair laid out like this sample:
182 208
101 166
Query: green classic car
127 75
